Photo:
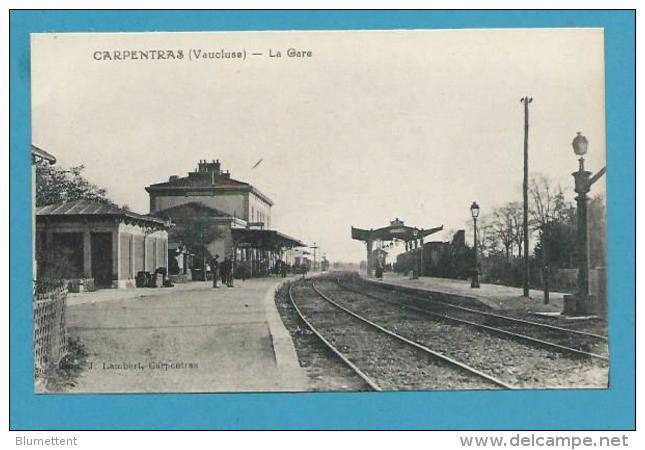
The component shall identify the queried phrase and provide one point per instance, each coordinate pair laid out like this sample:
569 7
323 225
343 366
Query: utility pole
525 189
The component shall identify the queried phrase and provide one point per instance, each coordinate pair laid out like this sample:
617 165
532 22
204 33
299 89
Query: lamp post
583 182
474 211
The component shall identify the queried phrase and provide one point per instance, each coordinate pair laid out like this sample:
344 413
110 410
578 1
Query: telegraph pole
525 188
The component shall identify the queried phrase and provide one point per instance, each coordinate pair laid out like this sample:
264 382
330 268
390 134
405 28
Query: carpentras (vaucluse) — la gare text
197 54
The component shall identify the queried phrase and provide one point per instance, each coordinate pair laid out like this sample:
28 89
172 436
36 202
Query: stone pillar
87 254
165 252
131 256
145 251
116 257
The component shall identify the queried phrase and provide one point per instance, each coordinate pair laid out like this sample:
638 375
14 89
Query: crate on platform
79 285
155 280
180 278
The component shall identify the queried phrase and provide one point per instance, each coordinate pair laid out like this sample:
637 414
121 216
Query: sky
375 125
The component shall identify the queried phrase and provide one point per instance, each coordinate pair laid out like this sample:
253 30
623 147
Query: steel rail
524 337
371 383
414 344
510 319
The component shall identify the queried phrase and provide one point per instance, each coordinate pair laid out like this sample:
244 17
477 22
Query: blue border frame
595 409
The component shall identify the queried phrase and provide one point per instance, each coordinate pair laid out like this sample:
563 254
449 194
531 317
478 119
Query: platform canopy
396 230
263 239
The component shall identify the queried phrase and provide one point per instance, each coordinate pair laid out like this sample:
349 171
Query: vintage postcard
319 211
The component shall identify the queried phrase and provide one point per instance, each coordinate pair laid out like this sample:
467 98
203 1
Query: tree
597 214
502 225
55 184
193 226
548 208
516 215
547 202
488 242
196 235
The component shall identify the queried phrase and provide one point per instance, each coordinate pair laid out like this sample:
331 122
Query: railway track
382 358
574 342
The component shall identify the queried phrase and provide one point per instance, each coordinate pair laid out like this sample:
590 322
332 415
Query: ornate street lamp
583 182
474 211
580 144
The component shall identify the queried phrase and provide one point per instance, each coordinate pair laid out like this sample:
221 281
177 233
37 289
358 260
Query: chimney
173 178
212 167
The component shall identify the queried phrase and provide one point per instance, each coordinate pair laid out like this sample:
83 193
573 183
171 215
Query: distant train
301 264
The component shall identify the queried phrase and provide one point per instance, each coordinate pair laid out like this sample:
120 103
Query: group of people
280 268
224 271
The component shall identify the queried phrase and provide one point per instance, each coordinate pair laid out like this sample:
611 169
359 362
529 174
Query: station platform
493 295
190 338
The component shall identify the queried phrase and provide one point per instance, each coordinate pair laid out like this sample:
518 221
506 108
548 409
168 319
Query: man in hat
215 270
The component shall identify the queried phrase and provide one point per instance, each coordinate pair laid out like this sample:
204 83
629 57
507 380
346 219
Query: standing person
215 270
231 271
379 268
283 268
224 271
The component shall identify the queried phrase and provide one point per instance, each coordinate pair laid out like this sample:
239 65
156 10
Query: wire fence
50 330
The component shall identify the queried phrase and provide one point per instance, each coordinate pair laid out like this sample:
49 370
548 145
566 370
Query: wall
125 266
232 204
138 254
131 238
259 211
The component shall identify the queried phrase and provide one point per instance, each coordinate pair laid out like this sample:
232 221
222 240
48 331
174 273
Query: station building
214 214
101 244
214 188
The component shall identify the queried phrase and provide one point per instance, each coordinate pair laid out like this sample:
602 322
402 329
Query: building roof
396 230
39 153
208 177
200 181
264 239
85 208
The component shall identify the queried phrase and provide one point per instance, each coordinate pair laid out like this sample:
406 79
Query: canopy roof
396 230
264 239
85 208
